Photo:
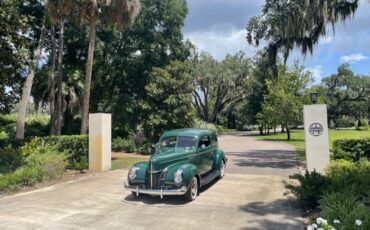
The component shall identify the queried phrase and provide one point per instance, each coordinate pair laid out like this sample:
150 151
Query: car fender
219 157
140 173
188 172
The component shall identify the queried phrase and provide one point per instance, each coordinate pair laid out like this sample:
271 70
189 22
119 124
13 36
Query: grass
125 162
297 138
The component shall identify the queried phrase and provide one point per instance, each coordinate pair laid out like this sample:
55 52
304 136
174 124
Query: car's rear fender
219 157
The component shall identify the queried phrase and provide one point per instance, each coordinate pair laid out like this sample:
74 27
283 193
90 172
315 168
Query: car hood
162 159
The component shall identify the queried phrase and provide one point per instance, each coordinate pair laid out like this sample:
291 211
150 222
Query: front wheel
192 192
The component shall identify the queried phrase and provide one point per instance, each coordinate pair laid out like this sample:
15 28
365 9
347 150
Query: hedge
352 149
76 146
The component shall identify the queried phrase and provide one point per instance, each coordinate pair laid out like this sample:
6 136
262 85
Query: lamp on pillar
314 96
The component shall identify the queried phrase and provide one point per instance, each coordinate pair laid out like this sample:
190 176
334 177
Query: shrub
123 145
10 159
8 183
51 165
345 121
311 187
27 175
147 149
345 207
82 164
363 122
35 124
352 149
204 125
344 175
74 146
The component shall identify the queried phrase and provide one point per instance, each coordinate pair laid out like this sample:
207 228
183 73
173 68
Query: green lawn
125 162
297 138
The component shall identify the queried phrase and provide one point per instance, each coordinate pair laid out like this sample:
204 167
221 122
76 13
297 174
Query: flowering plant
322 224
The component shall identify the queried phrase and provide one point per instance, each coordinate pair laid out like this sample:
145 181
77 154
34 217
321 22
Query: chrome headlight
178 176
132 173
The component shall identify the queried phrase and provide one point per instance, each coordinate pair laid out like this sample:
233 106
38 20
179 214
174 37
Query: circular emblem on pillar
315 129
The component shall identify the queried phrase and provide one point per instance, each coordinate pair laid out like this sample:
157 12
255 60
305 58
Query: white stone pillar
100 133
316 137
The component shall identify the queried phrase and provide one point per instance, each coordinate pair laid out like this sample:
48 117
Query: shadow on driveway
285 209
279 159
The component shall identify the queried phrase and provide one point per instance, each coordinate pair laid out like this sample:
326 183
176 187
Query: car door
204 153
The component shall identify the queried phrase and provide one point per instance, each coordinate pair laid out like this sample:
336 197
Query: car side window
204 141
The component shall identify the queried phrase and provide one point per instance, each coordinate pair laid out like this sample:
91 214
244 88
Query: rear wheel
192 192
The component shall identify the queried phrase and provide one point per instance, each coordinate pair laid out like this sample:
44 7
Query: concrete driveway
250 196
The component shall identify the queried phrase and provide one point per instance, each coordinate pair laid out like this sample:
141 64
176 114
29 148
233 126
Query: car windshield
177 143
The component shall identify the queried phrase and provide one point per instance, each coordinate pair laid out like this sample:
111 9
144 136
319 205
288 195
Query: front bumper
158 192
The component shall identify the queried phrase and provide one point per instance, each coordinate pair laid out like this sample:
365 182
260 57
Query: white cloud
316 72
353 58
219 43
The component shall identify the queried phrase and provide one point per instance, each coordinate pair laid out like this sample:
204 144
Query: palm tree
58 11
26 92
52 81
120 13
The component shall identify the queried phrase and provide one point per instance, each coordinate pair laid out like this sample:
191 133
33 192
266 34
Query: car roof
191 132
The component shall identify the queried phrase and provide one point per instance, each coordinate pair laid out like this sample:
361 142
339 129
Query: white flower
314 225
310 227
358 222
336 221
320 229
332 228
323 221
319 220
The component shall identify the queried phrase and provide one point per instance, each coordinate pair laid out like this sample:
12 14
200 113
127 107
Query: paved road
250 196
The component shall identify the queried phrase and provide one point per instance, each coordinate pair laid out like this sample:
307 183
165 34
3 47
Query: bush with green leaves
311 187
352 149
40 163
82 164
123 145
10 159
74 146
344 175
346 207
36 124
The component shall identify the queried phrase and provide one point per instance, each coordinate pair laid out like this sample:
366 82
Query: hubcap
194 188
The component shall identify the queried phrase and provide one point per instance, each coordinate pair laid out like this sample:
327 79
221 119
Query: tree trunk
288 133
52 82
26 92
58 112
89 65
260 127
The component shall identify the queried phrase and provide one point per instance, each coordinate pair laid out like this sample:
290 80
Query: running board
210 177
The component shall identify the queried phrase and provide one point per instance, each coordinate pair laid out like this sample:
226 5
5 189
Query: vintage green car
184 161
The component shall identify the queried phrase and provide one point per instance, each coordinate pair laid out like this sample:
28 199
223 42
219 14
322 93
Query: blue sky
218 27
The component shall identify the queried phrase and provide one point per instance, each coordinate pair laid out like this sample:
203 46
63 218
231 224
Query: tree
13 53
39 37
58 11
346 95
169 100
286 24
218 86
284 102
115 12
